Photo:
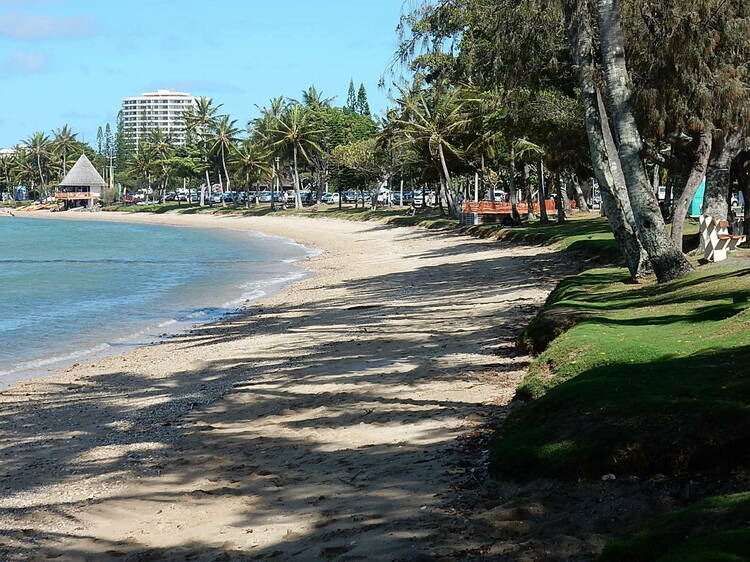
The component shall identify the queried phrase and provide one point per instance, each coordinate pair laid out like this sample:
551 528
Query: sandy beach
319 423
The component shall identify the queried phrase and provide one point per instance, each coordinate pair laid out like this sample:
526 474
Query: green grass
642 379
714 530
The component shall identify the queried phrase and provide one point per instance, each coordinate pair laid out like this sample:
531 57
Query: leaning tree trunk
666 258
716 200
226 174
697 173
605 162
581 203
297 194
450 197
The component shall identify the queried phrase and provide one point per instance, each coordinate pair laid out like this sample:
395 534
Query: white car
330 198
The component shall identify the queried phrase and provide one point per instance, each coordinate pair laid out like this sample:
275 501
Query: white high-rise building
163 109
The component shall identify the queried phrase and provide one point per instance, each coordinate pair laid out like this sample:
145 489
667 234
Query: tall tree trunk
697 173
450 197
208 188
529 193
557 179
543 218
512 178
666 258
716 200
491 194
741 170
581 202
673 190
605 162
297 194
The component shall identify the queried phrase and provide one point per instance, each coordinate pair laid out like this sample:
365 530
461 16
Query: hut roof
83 174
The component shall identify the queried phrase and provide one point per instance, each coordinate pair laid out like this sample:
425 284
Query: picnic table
715 240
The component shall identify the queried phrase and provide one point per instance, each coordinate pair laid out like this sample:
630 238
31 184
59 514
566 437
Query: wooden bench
715 240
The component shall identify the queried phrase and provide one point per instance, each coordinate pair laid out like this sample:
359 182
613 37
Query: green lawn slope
641 380
714 530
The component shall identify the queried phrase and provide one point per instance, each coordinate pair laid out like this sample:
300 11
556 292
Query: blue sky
68 61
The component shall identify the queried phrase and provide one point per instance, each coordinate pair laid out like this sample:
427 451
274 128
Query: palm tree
65 142
201 117
142 164
295 132
435 118
39 146
6 163
252 160
314 99
23 170
529 150
161 148
223 141
199 121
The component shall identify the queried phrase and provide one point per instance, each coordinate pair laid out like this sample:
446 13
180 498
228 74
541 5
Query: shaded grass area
713 530
649 379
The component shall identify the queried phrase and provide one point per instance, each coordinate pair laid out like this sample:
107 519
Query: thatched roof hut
81 185
83 174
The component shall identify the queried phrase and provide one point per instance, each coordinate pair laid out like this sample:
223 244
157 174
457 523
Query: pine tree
363 108
121 148
351 98
99 140
109 148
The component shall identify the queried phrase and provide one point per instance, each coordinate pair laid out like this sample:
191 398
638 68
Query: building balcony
75 195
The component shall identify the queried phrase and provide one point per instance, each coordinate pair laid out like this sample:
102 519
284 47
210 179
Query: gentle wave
64 307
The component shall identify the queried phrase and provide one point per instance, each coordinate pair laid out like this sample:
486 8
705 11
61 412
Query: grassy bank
642 380
715 529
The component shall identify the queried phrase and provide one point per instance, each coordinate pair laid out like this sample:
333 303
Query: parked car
230 197
348 196
169 196
264 196
217 198
330 198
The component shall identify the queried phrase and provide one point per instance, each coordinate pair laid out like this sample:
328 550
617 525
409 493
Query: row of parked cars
308 198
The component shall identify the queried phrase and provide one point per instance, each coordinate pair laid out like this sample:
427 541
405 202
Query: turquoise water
70 290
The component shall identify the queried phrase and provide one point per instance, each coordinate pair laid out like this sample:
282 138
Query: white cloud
24 62
15 25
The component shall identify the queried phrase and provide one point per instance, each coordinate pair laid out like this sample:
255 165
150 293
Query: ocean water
74 290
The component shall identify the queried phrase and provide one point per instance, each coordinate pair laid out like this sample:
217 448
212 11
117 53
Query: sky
73 61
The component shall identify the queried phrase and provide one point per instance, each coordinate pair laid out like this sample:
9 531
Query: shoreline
323 417
154 334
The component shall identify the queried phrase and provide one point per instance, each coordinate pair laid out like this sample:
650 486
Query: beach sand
319 423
